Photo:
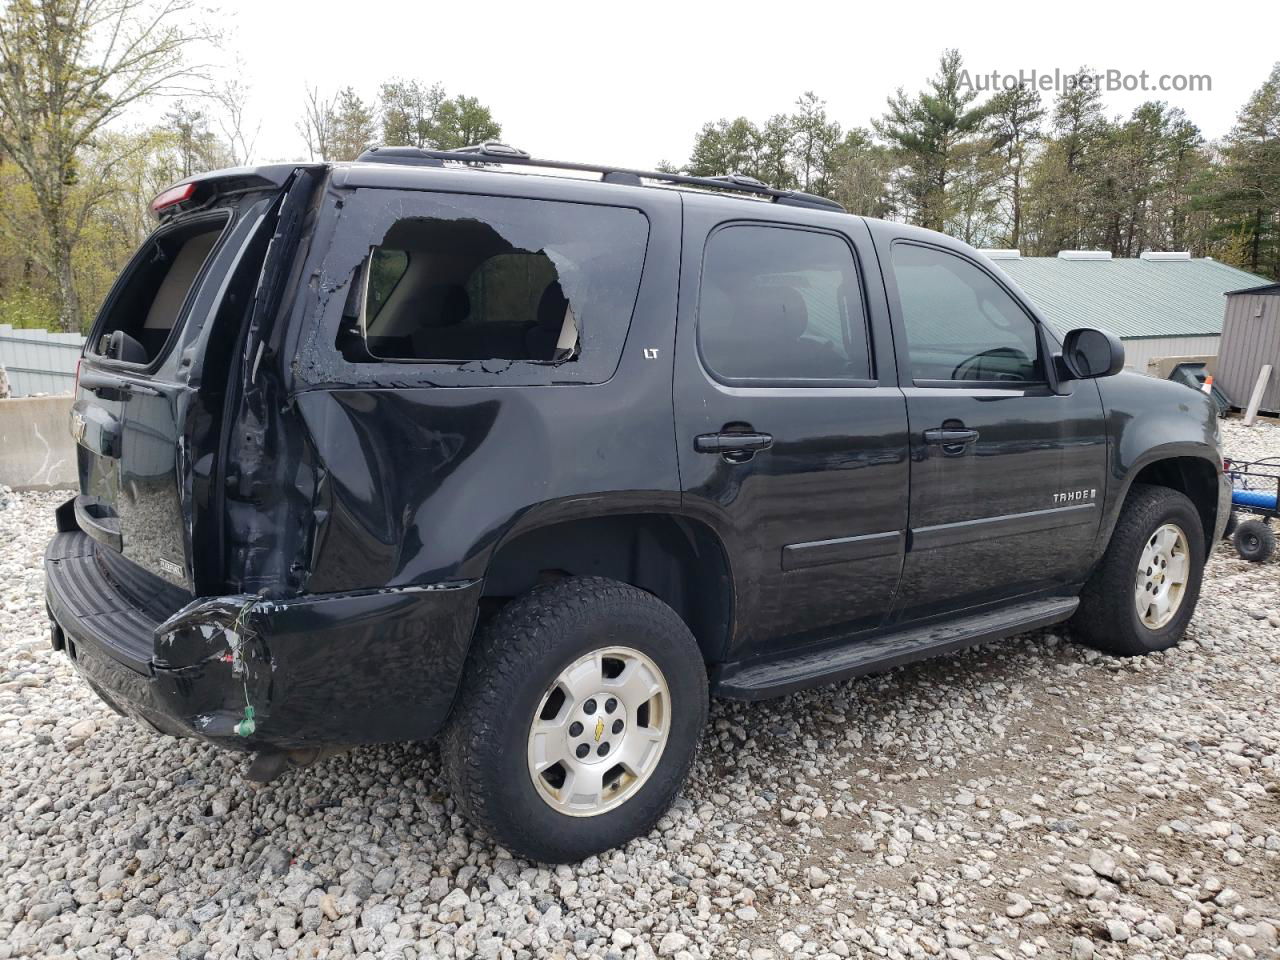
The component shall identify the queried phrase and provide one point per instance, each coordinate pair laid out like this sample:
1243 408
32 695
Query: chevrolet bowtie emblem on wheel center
599 728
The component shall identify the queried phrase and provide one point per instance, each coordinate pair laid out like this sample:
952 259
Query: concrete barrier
36 449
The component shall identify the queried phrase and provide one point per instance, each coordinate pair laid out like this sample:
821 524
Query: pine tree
934 134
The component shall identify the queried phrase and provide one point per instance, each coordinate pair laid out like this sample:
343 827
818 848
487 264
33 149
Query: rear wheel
578 720
1254 541
1142 594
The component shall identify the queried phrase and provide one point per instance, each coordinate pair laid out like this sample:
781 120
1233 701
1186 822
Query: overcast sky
631 83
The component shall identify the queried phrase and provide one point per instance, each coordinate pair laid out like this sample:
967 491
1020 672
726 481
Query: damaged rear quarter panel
370 496
422 469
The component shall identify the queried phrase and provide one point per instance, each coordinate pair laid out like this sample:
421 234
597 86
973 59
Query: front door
1007 467
792 433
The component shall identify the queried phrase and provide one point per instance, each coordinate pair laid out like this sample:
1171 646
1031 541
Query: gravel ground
1028 798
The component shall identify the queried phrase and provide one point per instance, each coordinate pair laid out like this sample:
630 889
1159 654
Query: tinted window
961 325
521 286
781 304
386 268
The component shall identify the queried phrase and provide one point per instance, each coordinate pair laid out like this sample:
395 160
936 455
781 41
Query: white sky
631 83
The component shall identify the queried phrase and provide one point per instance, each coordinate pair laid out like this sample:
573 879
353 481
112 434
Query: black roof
1270 289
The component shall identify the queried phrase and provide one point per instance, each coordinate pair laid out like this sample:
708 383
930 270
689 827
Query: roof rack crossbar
494 152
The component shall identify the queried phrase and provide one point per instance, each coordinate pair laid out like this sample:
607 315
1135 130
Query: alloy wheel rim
599 731
1163 572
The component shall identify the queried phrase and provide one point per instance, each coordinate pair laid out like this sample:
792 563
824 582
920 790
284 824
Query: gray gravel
1029 798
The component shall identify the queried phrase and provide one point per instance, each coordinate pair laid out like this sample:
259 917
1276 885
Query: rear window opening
142 314
456 291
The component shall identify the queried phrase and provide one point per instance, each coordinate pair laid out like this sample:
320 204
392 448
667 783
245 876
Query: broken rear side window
488 278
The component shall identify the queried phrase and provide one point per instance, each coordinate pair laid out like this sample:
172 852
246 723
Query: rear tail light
79 360
172 197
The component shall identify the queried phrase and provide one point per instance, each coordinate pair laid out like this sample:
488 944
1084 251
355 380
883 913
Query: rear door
790 428
1007 467
154 374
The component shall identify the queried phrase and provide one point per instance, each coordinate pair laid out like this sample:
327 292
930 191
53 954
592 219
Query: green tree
857 175
415 114
1246 198
933 135
408 109
353 127
726 146
68 68
199 149
815 137
767 153
463 121
1067 183
1013 127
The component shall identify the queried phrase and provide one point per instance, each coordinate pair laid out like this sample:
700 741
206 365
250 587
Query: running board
757 681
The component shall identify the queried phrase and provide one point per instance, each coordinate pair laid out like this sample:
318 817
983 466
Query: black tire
1233 521
512 665
1254 541
1108 618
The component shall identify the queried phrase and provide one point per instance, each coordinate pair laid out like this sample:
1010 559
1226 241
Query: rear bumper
316 671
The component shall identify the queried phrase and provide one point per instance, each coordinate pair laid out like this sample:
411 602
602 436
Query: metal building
38 361
1160 304
1250 340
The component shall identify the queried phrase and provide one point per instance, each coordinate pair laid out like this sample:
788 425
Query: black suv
434 443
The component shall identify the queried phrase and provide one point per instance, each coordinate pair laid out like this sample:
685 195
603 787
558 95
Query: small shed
1250 340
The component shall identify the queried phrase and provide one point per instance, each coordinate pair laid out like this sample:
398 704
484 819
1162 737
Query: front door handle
734 445
950 436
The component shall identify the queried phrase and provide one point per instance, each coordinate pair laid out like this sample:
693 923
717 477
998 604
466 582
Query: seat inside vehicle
456 291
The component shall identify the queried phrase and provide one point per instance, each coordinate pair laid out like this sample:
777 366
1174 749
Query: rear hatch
157 370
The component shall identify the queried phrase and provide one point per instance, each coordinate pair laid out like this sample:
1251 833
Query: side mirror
1088 353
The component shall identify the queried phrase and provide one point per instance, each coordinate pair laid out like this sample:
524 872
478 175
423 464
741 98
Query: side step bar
757 680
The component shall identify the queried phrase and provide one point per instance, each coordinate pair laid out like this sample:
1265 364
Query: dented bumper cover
315 671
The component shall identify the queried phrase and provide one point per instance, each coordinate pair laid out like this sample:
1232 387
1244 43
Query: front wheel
1142 594
578 720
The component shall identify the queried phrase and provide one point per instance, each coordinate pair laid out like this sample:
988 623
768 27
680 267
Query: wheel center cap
600 729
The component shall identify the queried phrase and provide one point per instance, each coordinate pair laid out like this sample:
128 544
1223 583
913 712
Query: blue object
1253 498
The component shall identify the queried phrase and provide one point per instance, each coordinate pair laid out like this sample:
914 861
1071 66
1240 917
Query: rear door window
147 303
477 283
781 304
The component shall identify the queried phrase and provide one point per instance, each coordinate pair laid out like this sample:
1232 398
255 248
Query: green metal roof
1132 298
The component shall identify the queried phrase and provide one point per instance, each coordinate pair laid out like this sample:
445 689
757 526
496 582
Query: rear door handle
950 436
737 443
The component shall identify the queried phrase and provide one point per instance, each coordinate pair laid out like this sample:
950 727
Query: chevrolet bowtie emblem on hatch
599 728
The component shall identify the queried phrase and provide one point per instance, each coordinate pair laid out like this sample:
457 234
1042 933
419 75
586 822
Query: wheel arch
678 559
1190 473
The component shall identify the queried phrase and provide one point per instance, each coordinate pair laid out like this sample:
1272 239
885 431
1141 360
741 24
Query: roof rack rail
495 152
